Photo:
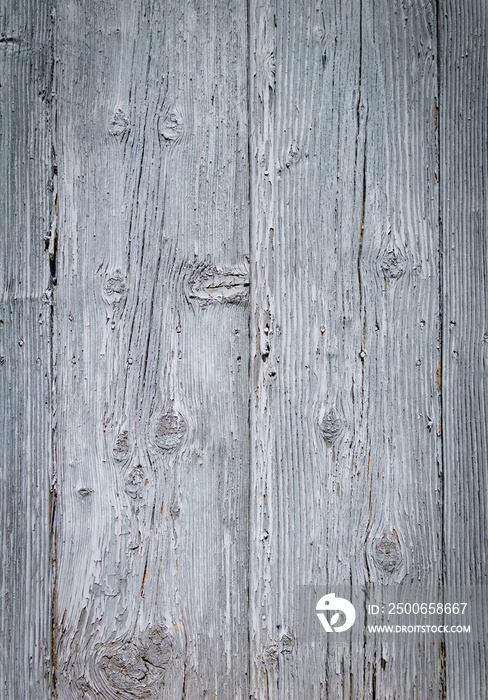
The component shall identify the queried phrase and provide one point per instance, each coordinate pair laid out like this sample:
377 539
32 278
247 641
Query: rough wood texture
152 350
26 199
463 109
345 326
244 287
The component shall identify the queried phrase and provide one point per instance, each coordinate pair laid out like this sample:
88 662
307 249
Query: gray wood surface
152 350
463 110
345 348
242 344
27 206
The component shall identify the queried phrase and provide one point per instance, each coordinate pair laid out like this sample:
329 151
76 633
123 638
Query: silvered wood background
243 341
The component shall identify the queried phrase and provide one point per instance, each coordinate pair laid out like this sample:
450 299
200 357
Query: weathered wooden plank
152 350
463 31
400 267
26 199
344 346
347 482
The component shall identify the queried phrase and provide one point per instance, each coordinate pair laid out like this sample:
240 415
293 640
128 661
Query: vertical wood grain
344 336
152 350
26 209
400 269
463 27
189 536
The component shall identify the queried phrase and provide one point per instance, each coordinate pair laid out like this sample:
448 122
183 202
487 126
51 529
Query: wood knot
294 155
114 287
136 669
156 649
174 509
387 553
330 426
122 447
319 34
266 67
271 653
393 264
170 429
124 668
287 642
85 491
282 646
218 285
171 125
134 481
119 124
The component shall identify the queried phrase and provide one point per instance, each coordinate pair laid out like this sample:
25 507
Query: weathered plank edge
28 267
